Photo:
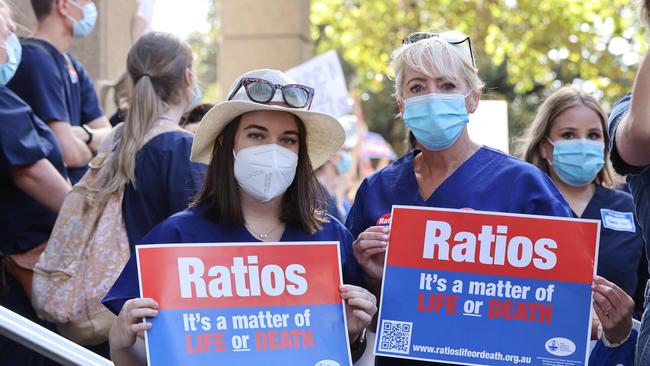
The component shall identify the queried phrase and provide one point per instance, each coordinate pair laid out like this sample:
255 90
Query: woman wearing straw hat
261 147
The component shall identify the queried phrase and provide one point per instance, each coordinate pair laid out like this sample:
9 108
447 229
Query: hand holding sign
614 309
370 251
360 307
129 325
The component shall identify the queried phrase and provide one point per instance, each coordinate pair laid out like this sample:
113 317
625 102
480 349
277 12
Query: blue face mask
345 163
436 120
85 25
197 95
577 162
14 53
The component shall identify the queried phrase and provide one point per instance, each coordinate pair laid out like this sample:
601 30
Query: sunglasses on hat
452 37
262 91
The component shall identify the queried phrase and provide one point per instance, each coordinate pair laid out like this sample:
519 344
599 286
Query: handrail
46 342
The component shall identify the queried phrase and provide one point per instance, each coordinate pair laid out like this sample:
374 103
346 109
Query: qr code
395 336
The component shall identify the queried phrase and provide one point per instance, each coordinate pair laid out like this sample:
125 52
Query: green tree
205 47
525 48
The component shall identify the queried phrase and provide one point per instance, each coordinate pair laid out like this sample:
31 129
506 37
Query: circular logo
560 346
327 363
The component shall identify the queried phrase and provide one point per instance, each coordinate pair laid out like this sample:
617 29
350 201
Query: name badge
74 78
619 221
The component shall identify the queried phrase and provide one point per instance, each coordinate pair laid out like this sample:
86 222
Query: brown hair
301 202
156 64
560 101
42 8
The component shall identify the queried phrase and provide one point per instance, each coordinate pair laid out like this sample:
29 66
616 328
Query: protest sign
483 288
244 304
325 75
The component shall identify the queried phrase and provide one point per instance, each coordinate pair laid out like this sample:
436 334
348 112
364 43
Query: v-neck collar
408 174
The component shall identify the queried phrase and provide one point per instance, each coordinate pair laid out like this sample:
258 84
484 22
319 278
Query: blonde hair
433 57
156 65
563 99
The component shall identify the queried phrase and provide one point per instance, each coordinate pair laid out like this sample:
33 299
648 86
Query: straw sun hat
324 133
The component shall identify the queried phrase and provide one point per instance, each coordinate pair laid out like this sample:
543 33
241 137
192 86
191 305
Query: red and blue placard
244 304
483 288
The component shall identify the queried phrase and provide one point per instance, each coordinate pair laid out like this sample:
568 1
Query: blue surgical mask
14 53
85 25
197 95
578 162
345 163
436 120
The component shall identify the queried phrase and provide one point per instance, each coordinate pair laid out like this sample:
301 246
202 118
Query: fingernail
155 313
385 237
386 230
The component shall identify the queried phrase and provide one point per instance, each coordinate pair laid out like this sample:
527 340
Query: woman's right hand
370 251
128 325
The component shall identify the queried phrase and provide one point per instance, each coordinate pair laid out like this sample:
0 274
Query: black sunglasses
451 37
262 91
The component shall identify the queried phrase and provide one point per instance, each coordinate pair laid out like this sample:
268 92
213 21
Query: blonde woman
154 170
436 88
568 141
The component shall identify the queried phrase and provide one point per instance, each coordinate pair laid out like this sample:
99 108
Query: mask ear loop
552 144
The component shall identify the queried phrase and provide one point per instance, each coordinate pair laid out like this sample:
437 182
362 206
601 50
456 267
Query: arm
633 132
75 151
99 127
42 182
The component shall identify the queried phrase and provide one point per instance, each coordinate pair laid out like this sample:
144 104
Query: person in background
57 86
261 145
33 184
156 174
436 87
568 140
191 119
629 128
334 179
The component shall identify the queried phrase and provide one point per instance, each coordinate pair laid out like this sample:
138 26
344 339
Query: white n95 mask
265 171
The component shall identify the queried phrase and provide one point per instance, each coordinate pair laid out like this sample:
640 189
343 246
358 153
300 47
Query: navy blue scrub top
638 177
166 182
621 243
191 226
24 140
55 91
489 181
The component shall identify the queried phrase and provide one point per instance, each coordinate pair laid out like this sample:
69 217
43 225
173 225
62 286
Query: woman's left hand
614 308
360 307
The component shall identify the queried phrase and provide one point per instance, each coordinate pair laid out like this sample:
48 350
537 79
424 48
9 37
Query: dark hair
221 192
196 114
42 8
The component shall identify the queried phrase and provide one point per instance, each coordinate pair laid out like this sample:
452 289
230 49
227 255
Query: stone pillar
103 52
262 34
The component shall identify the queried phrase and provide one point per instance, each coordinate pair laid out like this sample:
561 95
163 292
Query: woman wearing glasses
436 87
261 147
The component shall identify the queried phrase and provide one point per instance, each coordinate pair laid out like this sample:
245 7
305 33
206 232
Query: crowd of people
262 167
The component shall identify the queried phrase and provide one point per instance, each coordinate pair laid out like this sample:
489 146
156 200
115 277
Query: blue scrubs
191 226
488 181
638 179
166 181
621 243
55 89
24 223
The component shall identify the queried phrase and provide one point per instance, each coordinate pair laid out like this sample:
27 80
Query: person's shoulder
513 165
12 108
171 229
616 196
333 229
170 140
37 53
